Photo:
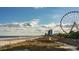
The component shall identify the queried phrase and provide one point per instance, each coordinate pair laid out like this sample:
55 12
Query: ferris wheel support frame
74 24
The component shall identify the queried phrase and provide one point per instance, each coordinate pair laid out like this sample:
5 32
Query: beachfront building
50 32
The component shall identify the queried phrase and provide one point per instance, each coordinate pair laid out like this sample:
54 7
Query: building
50 32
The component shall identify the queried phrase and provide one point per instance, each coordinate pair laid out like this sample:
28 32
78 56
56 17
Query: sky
22 14
36 19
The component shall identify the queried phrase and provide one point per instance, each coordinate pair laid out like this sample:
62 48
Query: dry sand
14 41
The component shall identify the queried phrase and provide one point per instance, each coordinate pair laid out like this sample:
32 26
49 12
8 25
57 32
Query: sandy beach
33 44
11 41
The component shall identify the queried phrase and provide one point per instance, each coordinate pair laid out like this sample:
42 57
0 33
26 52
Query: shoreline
19 38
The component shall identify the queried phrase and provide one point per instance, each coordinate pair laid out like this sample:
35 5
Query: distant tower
50 32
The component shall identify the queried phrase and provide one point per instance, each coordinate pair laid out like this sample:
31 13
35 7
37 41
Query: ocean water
17 37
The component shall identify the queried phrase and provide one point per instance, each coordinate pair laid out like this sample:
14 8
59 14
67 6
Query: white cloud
23 28
34 22
49 26
32 27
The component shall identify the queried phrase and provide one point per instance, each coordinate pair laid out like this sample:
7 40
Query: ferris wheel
70 22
